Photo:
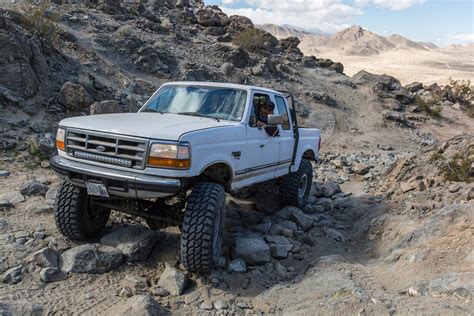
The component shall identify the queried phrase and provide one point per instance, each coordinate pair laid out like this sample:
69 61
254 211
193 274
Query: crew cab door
262 151
286 138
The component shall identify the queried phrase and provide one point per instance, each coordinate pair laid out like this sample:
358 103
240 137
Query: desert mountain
354 40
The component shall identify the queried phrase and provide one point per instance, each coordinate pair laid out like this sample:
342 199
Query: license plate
97 189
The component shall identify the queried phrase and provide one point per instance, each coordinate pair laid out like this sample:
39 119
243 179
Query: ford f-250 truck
173 161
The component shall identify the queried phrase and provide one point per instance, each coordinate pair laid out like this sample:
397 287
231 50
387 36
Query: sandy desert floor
409 65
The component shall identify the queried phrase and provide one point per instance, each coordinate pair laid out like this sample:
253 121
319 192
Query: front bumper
118 182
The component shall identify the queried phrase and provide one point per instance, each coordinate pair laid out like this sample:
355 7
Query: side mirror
274 119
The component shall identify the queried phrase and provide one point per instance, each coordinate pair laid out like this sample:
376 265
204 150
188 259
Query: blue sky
443 22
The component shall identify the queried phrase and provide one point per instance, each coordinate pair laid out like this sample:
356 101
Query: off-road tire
290 188
203 226
74 216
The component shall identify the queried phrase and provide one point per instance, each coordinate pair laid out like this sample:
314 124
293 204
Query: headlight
169 156
60 138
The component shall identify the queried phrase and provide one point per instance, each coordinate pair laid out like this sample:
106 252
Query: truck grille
116 150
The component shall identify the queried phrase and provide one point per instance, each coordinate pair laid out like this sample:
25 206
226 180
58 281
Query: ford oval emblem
100 148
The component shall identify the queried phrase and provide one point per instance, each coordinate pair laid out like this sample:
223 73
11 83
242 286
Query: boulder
45 145
237 266
105 107
304 221
33 188
337 67
4 173
74 97
252 249
397 117
267 202
414 87
173 281
46 257
211 16
90 258
135 242
290 42
239 23
13 275
326 203
330 188
50 274
279 246
13 197
360 168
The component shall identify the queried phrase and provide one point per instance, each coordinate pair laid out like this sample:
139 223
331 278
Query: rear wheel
296 186
75 217
203 227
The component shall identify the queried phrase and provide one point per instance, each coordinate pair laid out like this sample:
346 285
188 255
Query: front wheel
296 186
75 217
203 227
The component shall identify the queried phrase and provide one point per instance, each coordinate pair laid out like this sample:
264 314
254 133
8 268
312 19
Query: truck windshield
213 102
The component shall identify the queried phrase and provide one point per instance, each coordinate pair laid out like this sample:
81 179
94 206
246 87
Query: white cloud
457 39
327 15
395 5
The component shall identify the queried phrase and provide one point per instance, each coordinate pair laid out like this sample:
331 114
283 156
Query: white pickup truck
173 161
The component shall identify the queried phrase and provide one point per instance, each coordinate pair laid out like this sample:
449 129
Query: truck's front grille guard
107 148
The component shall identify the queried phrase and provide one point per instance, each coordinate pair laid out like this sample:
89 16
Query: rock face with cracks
135 242
90 258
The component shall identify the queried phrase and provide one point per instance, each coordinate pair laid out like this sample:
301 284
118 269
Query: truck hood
148 125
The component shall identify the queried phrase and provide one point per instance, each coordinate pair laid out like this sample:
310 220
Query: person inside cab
265 108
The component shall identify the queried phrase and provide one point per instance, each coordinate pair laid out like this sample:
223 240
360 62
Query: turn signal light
169 163
60 145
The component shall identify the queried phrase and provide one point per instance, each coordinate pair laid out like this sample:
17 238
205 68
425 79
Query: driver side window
258 100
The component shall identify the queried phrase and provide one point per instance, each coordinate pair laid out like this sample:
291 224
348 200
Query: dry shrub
251 39
38 19
458 169
429 107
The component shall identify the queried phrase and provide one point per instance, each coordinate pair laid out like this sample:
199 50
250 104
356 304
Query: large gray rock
414 87
304 221
135 242
46 257
13 197
74 97
279 246
90 258
253 250
237 266
267 202
13 275
49 275
326 203
173 281
33 188
330 188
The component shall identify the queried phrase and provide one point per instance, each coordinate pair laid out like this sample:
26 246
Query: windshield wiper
198 114
153 111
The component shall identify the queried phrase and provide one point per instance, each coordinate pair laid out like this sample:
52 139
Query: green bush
251 39
429 107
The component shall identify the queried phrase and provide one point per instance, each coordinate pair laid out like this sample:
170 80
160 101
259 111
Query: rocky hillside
387 230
